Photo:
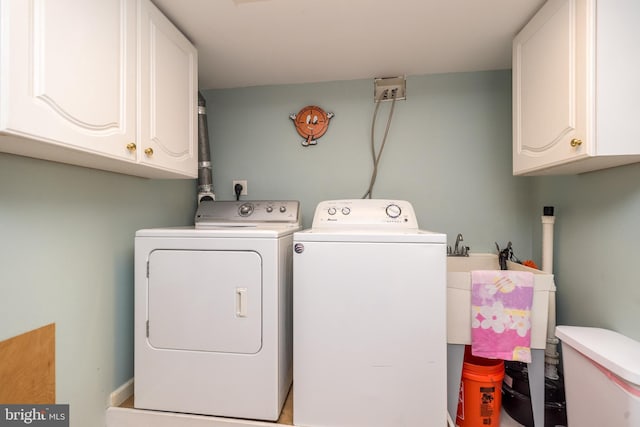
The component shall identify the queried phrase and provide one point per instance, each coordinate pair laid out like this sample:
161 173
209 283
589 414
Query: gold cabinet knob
576 142
131 147
148 151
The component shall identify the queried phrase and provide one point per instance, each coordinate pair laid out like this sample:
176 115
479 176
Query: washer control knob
331 211
283 209
245 209
393 211
269 209
346 211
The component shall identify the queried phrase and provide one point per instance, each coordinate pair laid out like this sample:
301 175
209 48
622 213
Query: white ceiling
264 42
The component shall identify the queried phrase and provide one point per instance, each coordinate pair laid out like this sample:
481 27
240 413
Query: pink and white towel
501 314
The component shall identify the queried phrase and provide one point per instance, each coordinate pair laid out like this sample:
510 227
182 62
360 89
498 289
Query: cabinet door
168 92
552 81
70 74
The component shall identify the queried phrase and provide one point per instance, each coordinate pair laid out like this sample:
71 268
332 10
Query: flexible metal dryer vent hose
205 180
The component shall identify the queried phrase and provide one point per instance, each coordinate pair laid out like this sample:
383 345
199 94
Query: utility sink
459 297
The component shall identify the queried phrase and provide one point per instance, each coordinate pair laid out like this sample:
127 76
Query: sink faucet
458 240
458 250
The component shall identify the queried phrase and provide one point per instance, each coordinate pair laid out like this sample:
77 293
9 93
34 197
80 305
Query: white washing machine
213 311
369 318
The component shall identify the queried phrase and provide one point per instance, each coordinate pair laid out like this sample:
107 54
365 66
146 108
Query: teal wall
66 252
597 235
66 257
448 152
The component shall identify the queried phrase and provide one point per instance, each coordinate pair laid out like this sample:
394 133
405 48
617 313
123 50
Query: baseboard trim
121 394
128 417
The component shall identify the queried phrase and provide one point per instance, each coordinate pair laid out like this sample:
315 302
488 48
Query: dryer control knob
283 209
346 211
331 211
246 209
393 211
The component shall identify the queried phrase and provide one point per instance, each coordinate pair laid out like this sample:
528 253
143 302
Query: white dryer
369 318
213 311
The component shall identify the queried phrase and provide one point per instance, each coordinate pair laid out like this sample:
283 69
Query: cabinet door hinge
147 269
147 329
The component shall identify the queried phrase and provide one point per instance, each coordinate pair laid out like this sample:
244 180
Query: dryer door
205 300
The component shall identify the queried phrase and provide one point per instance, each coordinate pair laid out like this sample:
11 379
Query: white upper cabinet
168 95
576 88
85 83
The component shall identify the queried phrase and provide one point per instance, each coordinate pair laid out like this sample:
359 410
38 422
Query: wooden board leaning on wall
27 367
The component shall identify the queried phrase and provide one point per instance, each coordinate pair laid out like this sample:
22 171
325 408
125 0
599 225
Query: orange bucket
480 391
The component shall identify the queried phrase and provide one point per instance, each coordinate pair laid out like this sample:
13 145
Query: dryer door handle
241 302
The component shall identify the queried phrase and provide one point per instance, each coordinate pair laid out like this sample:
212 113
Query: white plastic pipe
547 240
551 359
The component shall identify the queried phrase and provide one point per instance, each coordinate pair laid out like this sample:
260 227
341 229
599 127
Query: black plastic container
516 397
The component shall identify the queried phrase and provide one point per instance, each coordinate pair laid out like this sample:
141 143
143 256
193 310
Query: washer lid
616 352
370 235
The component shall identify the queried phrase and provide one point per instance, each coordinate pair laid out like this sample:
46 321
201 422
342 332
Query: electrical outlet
242 182
385 89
